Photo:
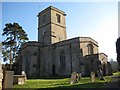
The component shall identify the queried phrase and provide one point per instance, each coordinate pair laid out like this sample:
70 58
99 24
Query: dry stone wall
1 75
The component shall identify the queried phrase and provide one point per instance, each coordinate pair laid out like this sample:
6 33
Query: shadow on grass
88 85
114 84
51 77
75 86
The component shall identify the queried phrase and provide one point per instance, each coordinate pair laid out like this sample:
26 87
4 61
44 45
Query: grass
85 82
116 74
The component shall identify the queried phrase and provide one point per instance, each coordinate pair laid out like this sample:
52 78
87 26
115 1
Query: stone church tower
53 53
51 26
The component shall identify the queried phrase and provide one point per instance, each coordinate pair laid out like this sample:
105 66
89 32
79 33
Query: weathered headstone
101 75
8 79
92 76
73 78
19 79
24 74
79 76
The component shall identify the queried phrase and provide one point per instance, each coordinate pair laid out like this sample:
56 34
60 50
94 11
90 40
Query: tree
114 65
118 51
15 37
0 49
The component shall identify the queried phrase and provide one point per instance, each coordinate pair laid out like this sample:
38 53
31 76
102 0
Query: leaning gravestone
101 74
92 76
8 79
79 76
73 78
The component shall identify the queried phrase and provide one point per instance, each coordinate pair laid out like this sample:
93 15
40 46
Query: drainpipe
39 60
71 58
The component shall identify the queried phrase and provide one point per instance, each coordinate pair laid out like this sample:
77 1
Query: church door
53 69
104 69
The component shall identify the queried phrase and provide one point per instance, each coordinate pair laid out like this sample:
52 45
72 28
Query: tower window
44 19
62 59
58 18
90 49
81 51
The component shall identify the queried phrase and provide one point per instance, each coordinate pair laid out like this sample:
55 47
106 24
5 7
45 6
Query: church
54 54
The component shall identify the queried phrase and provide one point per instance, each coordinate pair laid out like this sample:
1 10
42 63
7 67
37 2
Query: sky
59 0
98 20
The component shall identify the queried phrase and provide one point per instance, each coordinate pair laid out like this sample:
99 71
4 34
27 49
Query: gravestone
73 78
24 74
79 76
19 79
92 76
101 74
8 79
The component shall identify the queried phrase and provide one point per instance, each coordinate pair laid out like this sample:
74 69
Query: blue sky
98 20
59 0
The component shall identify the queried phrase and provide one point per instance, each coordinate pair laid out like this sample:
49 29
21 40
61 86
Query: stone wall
72 56
58 29
51 31
46 61
30 58
84 42
1 75
42 58
103 58
91 63
104 61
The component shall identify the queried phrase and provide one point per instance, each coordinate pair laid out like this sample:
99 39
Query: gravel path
114 84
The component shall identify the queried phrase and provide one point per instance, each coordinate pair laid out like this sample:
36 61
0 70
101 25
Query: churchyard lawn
116 74
85 82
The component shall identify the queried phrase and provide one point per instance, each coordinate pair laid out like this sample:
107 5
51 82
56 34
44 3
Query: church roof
82 39
53 8
77 39
103 54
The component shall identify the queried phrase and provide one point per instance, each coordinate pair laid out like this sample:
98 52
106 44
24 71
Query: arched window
62 59
27 62
82 67
58 18
90 49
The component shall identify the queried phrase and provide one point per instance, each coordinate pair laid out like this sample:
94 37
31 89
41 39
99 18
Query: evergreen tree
15 37
118 51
